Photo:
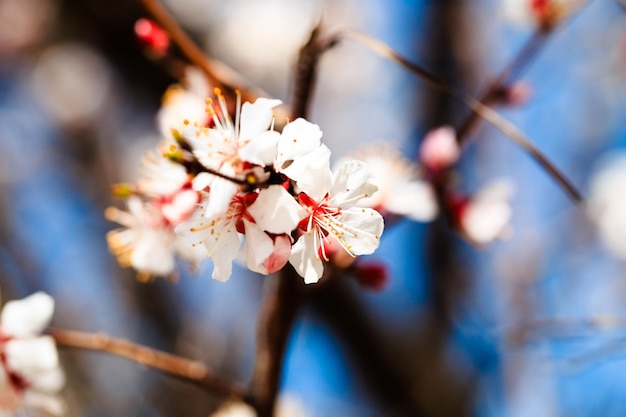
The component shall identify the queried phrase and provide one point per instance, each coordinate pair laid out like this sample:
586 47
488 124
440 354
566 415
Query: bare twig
217 72
483 111
185 369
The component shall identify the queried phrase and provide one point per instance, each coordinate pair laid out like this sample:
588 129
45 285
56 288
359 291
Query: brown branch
278 312
217 72
185 369
505 79
481 110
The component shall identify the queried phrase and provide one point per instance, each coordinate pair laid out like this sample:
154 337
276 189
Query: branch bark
184 369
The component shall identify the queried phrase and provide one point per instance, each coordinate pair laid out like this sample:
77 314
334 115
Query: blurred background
532 326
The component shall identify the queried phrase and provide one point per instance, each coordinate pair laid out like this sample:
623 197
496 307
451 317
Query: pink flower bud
152 37
439 149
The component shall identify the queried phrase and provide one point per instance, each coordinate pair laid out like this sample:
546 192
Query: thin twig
485 112
506 77
217 72
185 369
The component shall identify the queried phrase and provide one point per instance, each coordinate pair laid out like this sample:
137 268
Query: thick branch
278 312
185 369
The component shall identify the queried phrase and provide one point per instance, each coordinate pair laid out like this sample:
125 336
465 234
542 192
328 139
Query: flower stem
184 369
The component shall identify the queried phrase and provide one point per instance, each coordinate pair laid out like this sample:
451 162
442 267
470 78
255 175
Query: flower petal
352 181
259 246
305 258
276 211
297 139
312 172
415 200
256 117
31 356
261 149
358 230
28 316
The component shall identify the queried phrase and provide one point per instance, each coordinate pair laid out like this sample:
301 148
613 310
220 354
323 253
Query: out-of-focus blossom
400 189
286 406
439 149
517 93
607 202
153 38
147 242
184 105
73 82
332 216
29 372
157 203
485 216
544 13
24 23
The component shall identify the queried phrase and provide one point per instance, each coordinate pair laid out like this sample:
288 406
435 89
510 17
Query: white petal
276 211
28 357
223 243
256 118
220 196
154 252
259 246
312 173
50 381
261 150
359 230
415 200
305 258
352 181
297 139
27 317
51 404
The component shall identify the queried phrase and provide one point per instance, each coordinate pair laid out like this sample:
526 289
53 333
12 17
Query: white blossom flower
400 190
30 370
271 210
334 217
485 216
147 242
607 205
232 148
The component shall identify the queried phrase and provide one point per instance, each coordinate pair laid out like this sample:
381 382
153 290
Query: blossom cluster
220 184
29 369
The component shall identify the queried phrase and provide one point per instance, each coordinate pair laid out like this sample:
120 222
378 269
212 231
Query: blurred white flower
485 216
607 203
184 104
286 406
30 370
439 149
537 12
400 190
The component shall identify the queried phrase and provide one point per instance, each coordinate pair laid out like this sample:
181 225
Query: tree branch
184 369
481 110
217 72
